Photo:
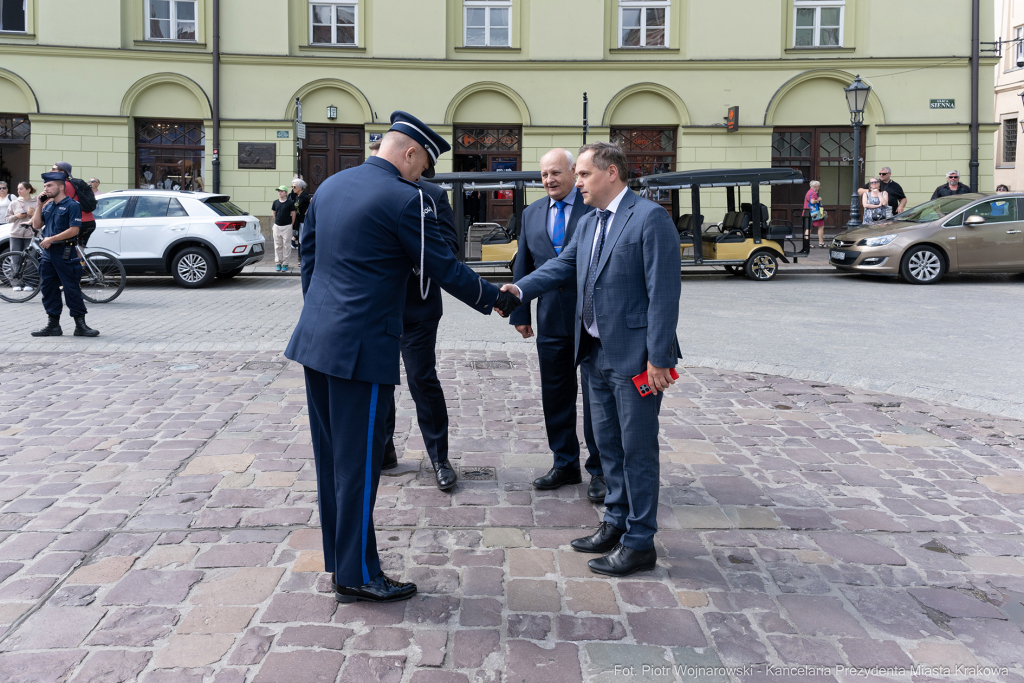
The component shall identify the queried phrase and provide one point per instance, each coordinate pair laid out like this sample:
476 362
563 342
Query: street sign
302 131
942 104
284 134
376 137
732 121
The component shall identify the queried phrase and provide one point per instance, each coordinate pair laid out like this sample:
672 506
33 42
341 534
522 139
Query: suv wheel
193 267
922 265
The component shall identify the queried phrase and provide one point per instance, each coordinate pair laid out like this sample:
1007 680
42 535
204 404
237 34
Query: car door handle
111 232
1013 232
177 229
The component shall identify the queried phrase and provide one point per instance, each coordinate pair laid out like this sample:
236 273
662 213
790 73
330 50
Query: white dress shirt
569 200
612 207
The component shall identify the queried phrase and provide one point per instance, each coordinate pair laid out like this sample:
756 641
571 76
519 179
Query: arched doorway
16 102
331 144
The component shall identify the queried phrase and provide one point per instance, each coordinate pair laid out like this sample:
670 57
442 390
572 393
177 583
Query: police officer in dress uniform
60 218
365 230
420 320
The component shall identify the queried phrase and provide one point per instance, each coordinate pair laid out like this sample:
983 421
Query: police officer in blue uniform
365 230
420 319
60 219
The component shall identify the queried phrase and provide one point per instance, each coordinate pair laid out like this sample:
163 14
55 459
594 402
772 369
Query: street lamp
856 100
332 112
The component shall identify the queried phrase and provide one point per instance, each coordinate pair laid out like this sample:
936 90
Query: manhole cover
104 368
182 368
492 364
478 473
262 365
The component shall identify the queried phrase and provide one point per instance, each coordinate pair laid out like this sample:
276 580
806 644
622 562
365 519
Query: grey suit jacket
636 294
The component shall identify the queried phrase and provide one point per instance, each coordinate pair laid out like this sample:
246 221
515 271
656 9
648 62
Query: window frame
817 6
354 4
1003 161
487 6
643 5
1018 48
146 19
24 21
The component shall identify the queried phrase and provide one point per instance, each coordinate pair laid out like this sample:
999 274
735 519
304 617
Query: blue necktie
588 292
558 231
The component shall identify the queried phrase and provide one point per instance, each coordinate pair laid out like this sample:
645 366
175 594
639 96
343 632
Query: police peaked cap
432 142
55 176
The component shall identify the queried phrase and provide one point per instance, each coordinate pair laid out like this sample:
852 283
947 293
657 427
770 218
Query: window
648 151
333 24
169 155
171 20
995 211
643 23
175 209
1009 141
818 23
1017 54
12 15
151 207
486 23
110 207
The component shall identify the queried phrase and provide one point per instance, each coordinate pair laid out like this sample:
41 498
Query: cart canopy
721 177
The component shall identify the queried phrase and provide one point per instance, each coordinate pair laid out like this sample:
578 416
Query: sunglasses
883 174
953 177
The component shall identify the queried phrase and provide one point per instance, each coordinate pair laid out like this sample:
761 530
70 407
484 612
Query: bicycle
103 275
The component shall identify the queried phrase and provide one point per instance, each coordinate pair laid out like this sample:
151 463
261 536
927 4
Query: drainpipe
216 96
975 60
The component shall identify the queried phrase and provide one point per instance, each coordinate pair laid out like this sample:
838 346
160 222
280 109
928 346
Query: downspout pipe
216 96
975 84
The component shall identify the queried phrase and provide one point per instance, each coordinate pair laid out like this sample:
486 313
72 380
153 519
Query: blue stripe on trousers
368 483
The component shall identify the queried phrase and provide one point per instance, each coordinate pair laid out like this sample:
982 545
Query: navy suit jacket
556 311
360 241
418 309
636 294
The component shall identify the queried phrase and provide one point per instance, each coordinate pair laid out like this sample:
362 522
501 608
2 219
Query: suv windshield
223 207
935 209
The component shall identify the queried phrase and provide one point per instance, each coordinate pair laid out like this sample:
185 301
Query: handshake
508 300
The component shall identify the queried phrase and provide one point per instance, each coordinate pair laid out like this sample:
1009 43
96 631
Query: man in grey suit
548 227
625 257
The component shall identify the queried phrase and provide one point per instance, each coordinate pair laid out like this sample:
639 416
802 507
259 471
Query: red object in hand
644 386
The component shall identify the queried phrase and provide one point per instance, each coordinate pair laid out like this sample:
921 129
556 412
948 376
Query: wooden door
328 149
823 154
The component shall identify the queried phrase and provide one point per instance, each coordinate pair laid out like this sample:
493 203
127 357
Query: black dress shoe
445 475
598 489
381 589
623 561
557 477
390 461
604 539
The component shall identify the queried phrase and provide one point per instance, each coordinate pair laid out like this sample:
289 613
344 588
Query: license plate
837 255
258 249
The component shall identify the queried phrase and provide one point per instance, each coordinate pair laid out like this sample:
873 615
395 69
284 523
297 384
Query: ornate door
822 154
478 148
329 149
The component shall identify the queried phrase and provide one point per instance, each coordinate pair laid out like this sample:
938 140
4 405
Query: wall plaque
942 104
257 155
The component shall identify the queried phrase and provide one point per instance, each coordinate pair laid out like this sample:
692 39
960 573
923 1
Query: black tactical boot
52 328
83 330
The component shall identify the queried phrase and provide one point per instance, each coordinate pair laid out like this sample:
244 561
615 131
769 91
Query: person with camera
60 219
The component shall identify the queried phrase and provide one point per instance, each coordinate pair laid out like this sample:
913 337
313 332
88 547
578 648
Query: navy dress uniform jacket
418 309
636 294
360 241
556 309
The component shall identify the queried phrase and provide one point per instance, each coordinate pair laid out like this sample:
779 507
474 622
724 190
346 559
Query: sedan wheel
762 265
922 266
193 268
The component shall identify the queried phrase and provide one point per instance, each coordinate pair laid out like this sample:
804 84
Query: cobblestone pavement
158 524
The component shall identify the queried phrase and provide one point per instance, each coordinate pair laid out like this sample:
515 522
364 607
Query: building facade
123 88
1009 80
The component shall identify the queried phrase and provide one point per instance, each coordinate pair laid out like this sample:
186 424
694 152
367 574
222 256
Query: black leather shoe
445 475
381 589
598 489
604 539
52 328
390 461
556 478
83 330
623 561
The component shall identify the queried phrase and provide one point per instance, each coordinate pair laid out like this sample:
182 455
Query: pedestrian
284 218
19 215
897 197
5 198
548 226
812 203
1002 189
80 192
301 199
420 319
94 183
874 202
365 230
953 186
60 218
625 260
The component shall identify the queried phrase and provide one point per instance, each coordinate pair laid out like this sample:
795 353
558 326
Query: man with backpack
79 190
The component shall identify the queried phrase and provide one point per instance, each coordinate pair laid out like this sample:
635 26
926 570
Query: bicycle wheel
18 269
103 278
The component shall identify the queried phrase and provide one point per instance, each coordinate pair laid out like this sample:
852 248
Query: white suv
194 236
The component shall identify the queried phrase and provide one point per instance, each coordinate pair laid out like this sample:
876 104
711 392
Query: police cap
54 176
432 142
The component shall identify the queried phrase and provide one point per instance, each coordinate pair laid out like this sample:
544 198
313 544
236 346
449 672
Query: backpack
83 195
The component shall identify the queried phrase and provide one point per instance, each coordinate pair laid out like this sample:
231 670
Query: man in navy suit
547 228
365 229
420 320
625 257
